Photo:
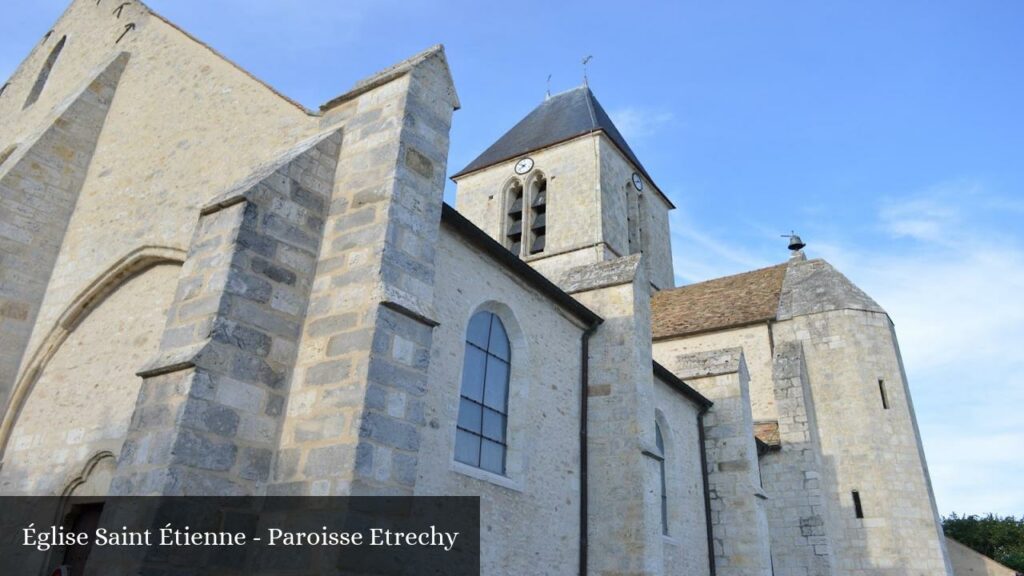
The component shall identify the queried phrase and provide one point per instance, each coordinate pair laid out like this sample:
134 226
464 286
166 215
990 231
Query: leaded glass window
480 435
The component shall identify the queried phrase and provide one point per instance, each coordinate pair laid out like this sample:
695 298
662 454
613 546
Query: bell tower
563 189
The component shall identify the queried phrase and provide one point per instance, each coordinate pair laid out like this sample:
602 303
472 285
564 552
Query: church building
208 289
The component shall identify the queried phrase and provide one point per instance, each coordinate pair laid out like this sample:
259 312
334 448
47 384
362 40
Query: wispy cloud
699 254
637 123
955 296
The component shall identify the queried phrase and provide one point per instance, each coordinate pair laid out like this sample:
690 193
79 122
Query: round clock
638 182
524 165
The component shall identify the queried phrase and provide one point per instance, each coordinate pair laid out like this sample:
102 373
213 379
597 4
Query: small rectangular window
885 397
857 509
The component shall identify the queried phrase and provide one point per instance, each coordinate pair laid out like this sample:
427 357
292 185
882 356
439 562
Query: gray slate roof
559 118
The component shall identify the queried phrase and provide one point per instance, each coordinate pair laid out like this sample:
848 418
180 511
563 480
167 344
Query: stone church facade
207 289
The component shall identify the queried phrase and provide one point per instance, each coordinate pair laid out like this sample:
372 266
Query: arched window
37 88
514 222
660 443
538 214
483 399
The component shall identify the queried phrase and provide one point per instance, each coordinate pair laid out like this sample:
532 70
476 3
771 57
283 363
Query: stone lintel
709 363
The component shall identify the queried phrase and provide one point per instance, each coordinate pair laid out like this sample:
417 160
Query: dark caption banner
226 536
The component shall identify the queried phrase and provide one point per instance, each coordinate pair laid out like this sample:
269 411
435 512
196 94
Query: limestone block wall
368 330
208 415
39 188
624 528
185 125
529 515
757 352
738 511
586 207
573 201
82 402
793 477
616 179
866 447
685 546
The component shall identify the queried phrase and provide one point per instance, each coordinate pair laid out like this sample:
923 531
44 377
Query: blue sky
889 135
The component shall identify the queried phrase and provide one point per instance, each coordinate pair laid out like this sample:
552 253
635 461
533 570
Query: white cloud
637 123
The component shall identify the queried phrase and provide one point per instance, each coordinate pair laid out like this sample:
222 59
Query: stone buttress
738 517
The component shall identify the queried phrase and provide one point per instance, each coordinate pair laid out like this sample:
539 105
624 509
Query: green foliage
1001 539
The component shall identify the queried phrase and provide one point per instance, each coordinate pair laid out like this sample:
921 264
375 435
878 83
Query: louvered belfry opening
538 216
514 229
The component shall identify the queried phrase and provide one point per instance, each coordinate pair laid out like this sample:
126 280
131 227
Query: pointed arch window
659 441
44 73
480 434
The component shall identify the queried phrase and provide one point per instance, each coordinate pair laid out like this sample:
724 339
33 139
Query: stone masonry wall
586 207
355 414
540 487
63 424
208 414
738 516
39 188
616 177
793 476
686 545
868 448
757 353
624 482
573 201
179 106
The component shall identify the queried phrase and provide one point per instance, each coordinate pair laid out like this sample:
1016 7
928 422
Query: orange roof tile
720 303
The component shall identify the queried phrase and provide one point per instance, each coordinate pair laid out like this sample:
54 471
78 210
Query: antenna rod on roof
585 62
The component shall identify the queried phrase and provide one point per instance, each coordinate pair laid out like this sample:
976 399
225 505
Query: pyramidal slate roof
559 118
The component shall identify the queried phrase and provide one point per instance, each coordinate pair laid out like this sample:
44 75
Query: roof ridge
754 271
590 107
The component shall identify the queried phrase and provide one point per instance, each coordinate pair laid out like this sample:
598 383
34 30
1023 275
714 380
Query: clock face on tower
524 165
638 182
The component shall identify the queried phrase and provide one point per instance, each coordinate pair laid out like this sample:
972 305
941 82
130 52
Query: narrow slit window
514 226
44 73
885 397
480 432
660 443
634 220
538 216
857 509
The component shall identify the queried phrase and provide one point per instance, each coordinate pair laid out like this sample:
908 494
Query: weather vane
585 62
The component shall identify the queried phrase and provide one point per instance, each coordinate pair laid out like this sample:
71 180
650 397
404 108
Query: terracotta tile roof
768 432
720 303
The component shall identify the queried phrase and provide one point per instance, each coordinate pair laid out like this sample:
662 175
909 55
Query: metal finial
585 62
794 241
548 93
